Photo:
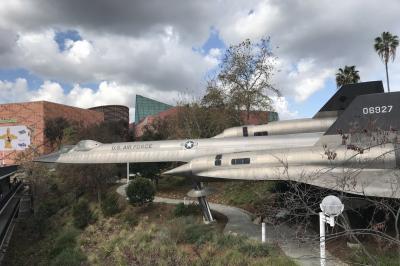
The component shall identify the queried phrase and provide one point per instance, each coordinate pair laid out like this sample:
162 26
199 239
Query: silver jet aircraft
350 145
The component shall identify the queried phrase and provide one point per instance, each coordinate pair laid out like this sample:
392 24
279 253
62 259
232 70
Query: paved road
239 222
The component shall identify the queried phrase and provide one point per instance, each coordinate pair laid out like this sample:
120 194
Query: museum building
148 110
22 126
113 113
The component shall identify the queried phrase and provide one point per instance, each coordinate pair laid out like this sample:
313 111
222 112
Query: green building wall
273 116
146 106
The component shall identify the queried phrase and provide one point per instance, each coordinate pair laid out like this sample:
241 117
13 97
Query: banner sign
14 138
11 120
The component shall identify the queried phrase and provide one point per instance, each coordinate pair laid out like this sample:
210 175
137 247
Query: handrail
4 233
6 200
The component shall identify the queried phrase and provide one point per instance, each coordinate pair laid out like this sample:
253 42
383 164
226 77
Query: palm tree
347 75
385 46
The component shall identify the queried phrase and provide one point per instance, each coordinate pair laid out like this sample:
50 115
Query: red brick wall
33 116
255 118
84 117
148 120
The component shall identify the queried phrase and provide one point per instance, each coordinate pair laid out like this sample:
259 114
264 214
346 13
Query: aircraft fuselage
174 150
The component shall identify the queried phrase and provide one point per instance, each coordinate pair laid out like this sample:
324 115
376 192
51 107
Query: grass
186 210
58 245
154 234
171 240
245 192
64 240
168 183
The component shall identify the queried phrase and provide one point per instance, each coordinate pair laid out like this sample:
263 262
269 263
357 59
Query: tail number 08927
377 109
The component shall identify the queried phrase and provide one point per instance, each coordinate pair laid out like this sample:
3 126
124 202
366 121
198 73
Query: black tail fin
370 112
345 95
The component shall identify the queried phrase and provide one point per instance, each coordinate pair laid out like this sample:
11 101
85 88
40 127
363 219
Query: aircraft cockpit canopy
86 145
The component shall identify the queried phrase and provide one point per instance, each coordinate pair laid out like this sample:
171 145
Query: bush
186 210
69 257
130 217
232 258
140 191
47 208
109 205
82 214
229 241
67 239
198 233
254 250
40 225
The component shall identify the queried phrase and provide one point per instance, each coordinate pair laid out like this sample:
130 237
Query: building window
240 161
261 133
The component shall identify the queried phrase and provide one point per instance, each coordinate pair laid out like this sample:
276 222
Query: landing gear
200 192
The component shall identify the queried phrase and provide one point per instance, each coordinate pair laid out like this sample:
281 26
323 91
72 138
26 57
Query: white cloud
281 106
213 57
79 50
49 91
14 91
131 45
159 62
330 34
106 93
302 79
243 24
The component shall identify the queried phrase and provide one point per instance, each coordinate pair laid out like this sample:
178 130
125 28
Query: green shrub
140 191
109 205
186 210
82 213
198 233
188 230
47 208
40 225
69 257
229 241
231 258
254 250
384 259
130 217
279 260
237 193
67 239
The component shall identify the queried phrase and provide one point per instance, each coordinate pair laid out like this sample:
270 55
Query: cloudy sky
88 53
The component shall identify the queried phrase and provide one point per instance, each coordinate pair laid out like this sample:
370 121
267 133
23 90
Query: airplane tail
379 112
345 95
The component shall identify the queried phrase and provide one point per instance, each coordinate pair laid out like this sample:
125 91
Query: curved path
240 223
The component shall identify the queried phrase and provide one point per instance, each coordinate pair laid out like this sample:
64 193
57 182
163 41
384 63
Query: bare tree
246 72
298 199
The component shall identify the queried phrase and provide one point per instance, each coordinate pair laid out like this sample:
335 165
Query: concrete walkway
239 222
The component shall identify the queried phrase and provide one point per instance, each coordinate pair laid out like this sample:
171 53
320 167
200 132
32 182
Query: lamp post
331 207
127 172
